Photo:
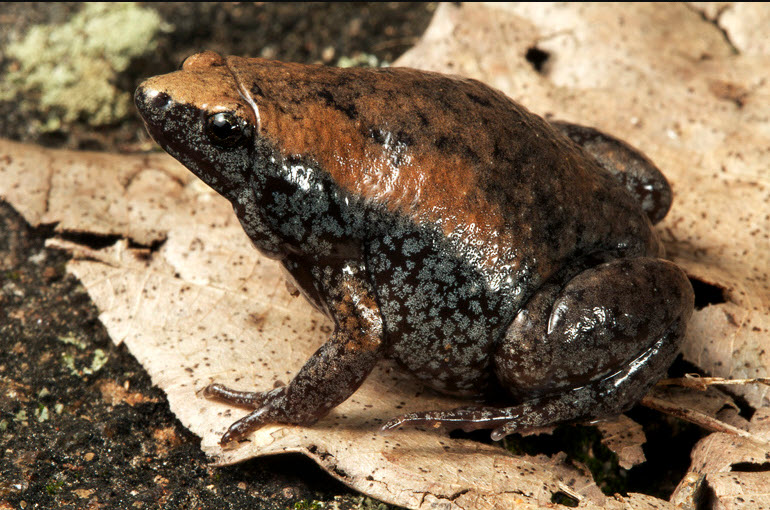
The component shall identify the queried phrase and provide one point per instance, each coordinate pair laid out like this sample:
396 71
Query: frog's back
505 188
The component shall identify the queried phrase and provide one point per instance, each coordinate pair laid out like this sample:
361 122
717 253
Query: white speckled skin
438 223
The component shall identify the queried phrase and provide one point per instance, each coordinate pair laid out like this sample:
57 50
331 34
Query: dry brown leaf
745 23
733 469
625 437
70 189
760 424
718 452
702 395
740 491
709 401
203 307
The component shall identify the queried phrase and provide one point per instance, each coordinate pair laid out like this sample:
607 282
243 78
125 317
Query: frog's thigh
599 322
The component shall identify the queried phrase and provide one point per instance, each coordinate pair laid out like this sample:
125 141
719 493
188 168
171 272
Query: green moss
361 60
71 339
54 486
367 503
20 417
360 502
67 70
69 362
100 359
308 505
13 275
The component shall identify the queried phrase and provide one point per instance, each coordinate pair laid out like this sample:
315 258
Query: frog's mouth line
246 96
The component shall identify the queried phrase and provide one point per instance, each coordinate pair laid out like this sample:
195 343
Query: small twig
697 382
110 256
569 491
698 418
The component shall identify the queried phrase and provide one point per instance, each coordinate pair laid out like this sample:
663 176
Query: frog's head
200 116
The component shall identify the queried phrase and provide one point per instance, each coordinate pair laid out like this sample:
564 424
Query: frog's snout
155 107
150 101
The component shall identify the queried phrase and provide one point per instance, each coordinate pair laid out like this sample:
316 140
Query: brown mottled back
445 150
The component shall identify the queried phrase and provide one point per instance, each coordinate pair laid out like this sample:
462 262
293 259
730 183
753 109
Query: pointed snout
150 101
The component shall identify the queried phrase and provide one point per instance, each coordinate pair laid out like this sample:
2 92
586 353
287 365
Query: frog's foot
247 399
603 398
269 407
259 401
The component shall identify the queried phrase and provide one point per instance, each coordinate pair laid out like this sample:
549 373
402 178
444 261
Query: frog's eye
227 129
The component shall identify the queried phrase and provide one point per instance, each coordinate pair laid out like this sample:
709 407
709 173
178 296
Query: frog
494 255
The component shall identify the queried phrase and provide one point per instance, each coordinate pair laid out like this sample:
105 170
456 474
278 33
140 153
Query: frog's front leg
586 348
333 373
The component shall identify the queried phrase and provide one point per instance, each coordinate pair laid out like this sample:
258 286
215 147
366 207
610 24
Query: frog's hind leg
585 350
595 400
627 164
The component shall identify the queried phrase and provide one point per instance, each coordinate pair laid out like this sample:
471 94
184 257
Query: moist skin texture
441 224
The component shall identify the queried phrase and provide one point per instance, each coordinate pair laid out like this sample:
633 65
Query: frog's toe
271 410
246 425
252 422
247 399
466 418
429 418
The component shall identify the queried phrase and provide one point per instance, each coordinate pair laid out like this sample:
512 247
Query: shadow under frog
437 223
